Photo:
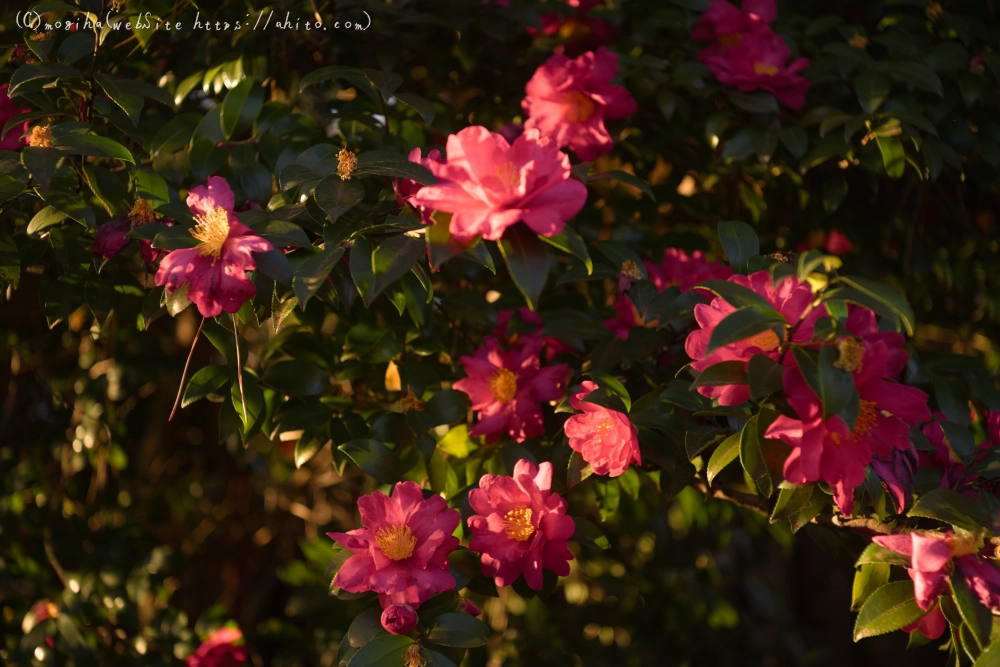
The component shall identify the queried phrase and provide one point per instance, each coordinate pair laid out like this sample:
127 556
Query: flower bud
467 606
399 619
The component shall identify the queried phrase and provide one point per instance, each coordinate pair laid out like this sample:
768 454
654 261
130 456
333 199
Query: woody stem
187 363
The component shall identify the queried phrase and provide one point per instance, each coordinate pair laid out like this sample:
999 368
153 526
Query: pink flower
791 297
569 100
399 619
862 323
606 439
757 61
401 550
933 558
467 606
405 188
13 140
111 237
837 243
520 526
506 387
896 472
216 268
993 427
826 449
488 185
553 346
932 625
722 20
576 32
684 270
220 650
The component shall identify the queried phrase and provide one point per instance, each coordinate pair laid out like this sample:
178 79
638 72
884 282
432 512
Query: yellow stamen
851 355
212 230
630 270
503 385
412 657
41 137
508 174
864 424
395 542
347 164
763 68
581 107
730 40
518 523
767 341
142 212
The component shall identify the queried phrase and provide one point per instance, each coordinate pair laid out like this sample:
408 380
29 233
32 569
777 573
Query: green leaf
390 163
764 376
916 74
833 386
745 323
850 54
308 445
422 106
76 46
252 395
588 533
41 163
527 261
385 82
174 134
892 299
893 155
362 270
954 508
624 177
392 260
72 204
869 578
722 373
570 242
448 406
373 457
739 240
297 377
723 455
442 476
991 656
282 233
460 630
336 196
951 401
875 553
889 608
119 91
365 627
207 383
312 273
241 107
40 70
760 102
44 219
795 139
350 74
99 290
752 456
92 145
872 89
976 615
608 496
383 651
609 382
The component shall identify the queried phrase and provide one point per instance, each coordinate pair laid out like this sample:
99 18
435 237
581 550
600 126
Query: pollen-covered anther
347 164
41 137
852 354
142 212
518 524
503 385
212 230
395 542
630 269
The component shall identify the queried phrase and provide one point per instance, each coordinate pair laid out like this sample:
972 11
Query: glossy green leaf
240 107
527 262
335 195
724 454
739 240
121 94
892 299
373 457
92 145
312 273
383 651
752 456
889 608
868 579
953 508
458 629
744 323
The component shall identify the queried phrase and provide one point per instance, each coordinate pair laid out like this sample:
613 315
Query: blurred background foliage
146 534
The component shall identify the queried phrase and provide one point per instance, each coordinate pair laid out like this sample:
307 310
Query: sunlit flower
405 188
606 439
220 650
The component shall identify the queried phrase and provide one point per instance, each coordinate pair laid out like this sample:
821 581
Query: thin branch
180 389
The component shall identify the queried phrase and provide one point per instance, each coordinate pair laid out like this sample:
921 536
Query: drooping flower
401 550
399 619
897 474
488 185
520 526
684 270
569 101
931 625
507 386
837 243
790 297
606 439
934 559
405 188
14 139
111 237
216 268
826 449
220 650
553 346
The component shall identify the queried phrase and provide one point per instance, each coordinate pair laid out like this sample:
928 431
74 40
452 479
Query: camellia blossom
790 297
826 449
507 386
401 550
606 439
935 558
399 619
220 650
577 32
862 323
520 526
569 100
406 188
553 346
14 139
488 184
722 21
837 243
684 270
111 237
216 268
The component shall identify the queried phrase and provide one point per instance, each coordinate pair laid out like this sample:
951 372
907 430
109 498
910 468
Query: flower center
41 137
604 428
730 40
395 542
767 341
851 355
573 28
412 657
631 270
347 164
580 107
212 230
518 523
503 385
142 212
763 68
508 174
864 424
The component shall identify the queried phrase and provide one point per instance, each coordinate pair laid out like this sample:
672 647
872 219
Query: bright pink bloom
399 619
932 625
520 526
467 606
569 100
13 140
837 243
684 270
405 188
606 439
553 346
220 650
931 566
791 297
722 20
507 386
216 268
401 550
488 185
862 323
825 449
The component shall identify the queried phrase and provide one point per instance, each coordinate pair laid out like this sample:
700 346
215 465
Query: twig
187 363
51 554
